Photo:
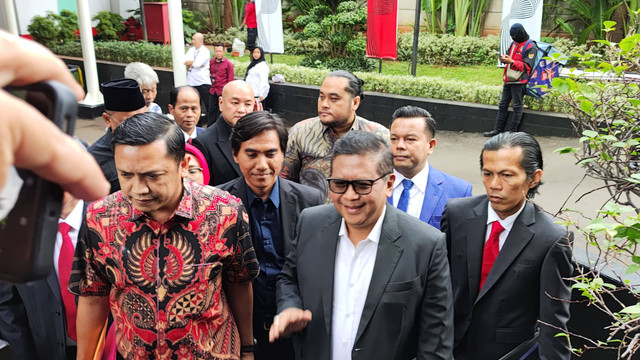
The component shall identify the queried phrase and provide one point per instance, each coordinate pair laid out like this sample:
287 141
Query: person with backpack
520 62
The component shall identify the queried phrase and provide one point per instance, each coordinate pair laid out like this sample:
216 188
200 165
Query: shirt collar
507 223
184 209
74 219
274 196
419 181
357 125
374 234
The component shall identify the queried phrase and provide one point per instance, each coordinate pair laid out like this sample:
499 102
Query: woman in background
258 75
198 171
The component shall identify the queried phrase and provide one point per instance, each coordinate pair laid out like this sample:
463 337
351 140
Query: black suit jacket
216 148
102 151
532 263
32 317
294 198
408 308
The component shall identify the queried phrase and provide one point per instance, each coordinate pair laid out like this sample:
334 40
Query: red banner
382 29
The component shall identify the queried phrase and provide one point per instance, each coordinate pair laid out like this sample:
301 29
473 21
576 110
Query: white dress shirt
507 224
416 193
199 71
74 219
258 79
353 271
193 135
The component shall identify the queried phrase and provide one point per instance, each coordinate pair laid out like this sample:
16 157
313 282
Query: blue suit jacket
440 188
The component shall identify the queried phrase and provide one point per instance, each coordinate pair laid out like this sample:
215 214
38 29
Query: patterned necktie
491 250
65 260
403 202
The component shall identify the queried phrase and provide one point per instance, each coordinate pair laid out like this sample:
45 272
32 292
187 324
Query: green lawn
488 75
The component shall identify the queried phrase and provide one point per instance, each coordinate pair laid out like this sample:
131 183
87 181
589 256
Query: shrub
110 25
226 38
54 29
449 50
123 52
192 22
429 87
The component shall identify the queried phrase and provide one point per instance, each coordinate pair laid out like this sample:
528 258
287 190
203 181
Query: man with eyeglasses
363 279
122 100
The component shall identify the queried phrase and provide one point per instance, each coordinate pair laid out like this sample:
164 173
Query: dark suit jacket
216 148
531 264
32 318
294 198
440 188
102 151
408 308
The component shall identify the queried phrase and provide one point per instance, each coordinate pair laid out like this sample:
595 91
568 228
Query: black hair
354 85
361 143
218 45
254 62
173 95
531 153
410 111
255 123
147 127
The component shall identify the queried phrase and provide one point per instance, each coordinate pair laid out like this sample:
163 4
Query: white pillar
177 42
94 96
10 16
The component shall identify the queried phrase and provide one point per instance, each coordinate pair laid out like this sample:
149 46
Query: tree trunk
620 17
228 20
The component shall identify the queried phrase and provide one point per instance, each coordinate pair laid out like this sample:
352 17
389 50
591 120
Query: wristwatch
249 348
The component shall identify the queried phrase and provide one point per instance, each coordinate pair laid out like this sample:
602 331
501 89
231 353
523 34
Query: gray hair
142 73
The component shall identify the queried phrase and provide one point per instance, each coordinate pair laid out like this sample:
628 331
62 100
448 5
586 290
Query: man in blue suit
420 189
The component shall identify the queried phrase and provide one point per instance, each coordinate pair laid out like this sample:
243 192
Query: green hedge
427 87
122 51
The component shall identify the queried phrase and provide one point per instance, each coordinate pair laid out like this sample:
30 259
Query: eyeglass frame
351 183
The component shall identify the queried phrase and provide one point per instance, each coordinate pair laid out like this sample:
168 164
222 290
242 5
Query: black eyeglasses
361 187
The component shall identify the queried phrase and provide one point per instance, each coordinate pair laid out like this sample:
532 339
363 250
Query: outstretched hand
287 322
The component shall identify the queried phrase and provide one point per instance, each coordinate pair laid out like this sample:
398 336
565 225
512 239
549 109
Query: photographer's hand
28 139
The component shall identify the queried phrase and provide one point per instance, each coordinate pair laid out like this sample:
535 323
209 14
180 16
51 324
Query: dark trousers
252 34
213 110
511 93
282 349
203 91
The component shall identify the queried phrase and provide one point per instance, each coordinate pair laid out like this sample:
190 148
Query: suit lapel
518 238
327 262
387 258
224 145
288 211
477 222
54 284
432 194
240 188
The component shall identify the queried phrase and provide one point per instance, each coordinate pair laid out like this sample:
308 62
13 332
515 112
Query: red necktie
490 253
65 260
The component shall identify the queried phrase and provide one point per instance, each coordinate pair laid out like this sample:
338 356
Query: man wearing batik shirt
310 145
171 259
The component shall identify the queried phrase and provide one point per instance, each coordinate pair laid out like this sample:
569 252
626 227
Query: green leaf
633 309
586 106
632 269
566 150
590 133
635 259
609 24
619 144
586 161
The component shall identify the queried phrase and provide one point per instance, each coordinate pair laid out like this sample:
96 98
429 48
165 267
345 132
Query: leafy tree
54 29
604 105
110 25
343 28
